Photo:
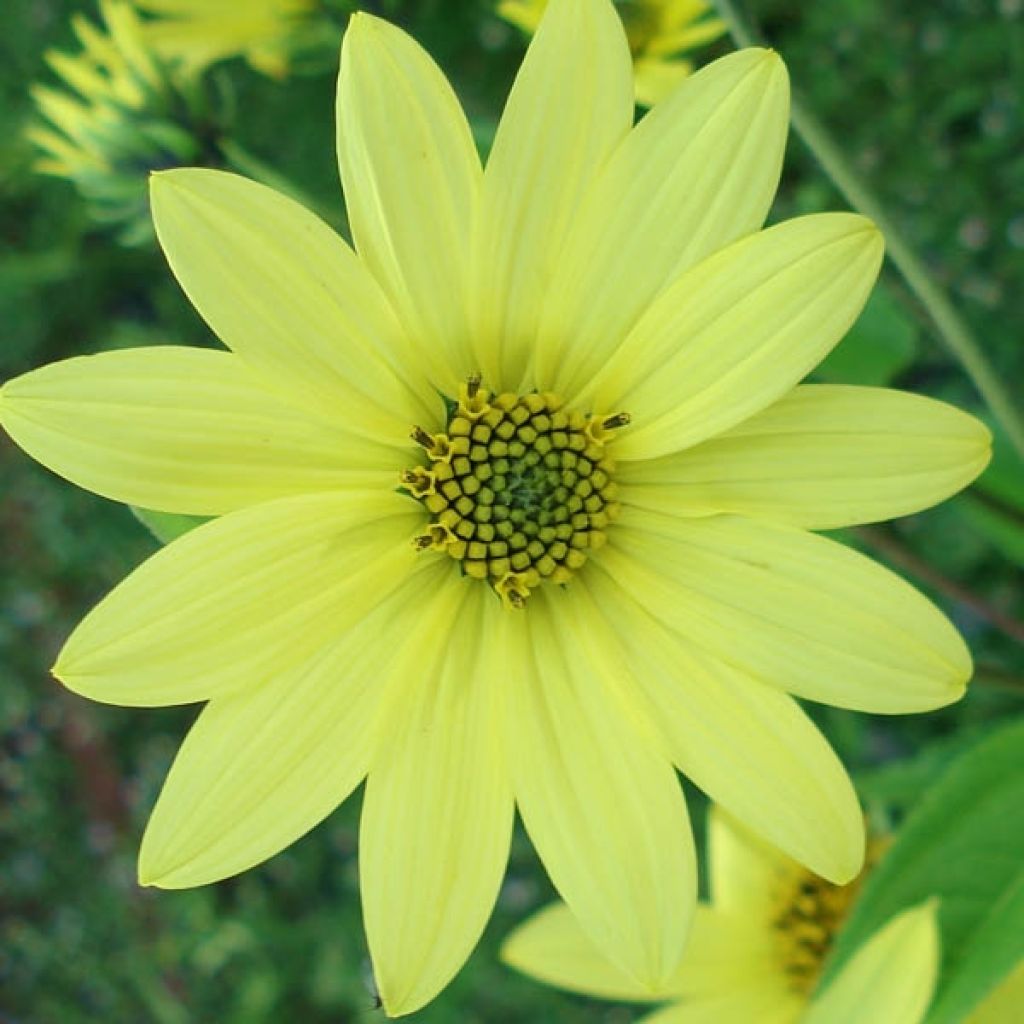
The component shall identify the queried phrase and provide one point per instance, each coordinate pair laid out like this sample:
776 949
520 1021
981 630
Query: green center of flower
519 488
811 914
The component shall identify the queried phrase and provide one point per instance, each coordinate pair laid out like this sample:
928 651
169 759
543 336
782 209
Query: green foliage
963 844
896 786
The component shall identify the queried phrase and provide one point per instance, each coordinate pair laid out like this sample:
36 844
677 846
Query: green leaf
963 844
987 960
898 785
877 349
166 526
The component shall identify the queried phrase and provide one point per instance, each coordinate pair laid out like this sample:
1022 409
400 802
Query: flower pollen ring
519 487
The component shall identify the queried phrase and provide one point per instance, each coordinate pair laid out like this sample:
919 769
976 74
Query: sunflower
511 501
757 949
194 34
658 32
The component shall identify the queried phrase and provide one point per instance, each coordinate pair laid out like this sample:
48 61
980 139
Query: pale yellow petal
124 25
748 746
655 77
54 168
242 598
794 610
743 870
525 14
438 810
747 874
571 104
698 172
724 953
746 1006
79 73
727 952
736 332
553 948
412 178
182 430
677 14
68 159
674 40
64 112
821 457
597 795
282 290
259 769
890 978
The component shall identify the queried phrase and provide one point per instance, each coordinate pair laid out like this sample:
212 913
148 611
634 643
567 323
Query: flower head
120 117
659 31
597 285
757 949
193 34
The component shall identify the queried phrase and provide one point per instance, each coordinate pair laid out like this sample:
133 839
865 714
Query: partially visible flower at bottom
756 949
659 32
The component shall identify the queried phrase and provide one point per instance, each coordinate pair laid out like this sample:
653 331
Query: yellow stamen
811 912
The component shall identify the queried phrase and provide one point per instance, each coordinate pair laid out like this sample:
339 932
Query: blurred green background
924 96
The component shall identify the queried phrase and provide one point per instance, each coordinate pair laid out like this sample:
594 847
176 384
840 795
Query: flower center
812 913
519 488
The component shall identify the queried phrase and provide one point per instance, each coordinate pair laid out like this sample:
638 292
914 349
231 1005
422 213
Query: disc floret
519 487
810 914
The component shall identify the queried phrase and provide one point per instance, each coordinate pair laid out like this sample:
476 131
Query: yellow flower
194 34
119 118
351 613
658 32
756 951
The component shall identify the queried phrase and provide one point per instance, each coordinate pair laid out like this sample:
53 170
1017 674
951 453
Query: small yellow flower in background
756 951
658 32
588 567
194 34
113 72
119 117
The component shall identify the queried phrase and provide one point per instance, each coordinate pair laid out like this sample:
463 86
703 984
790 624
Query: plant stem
951 327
